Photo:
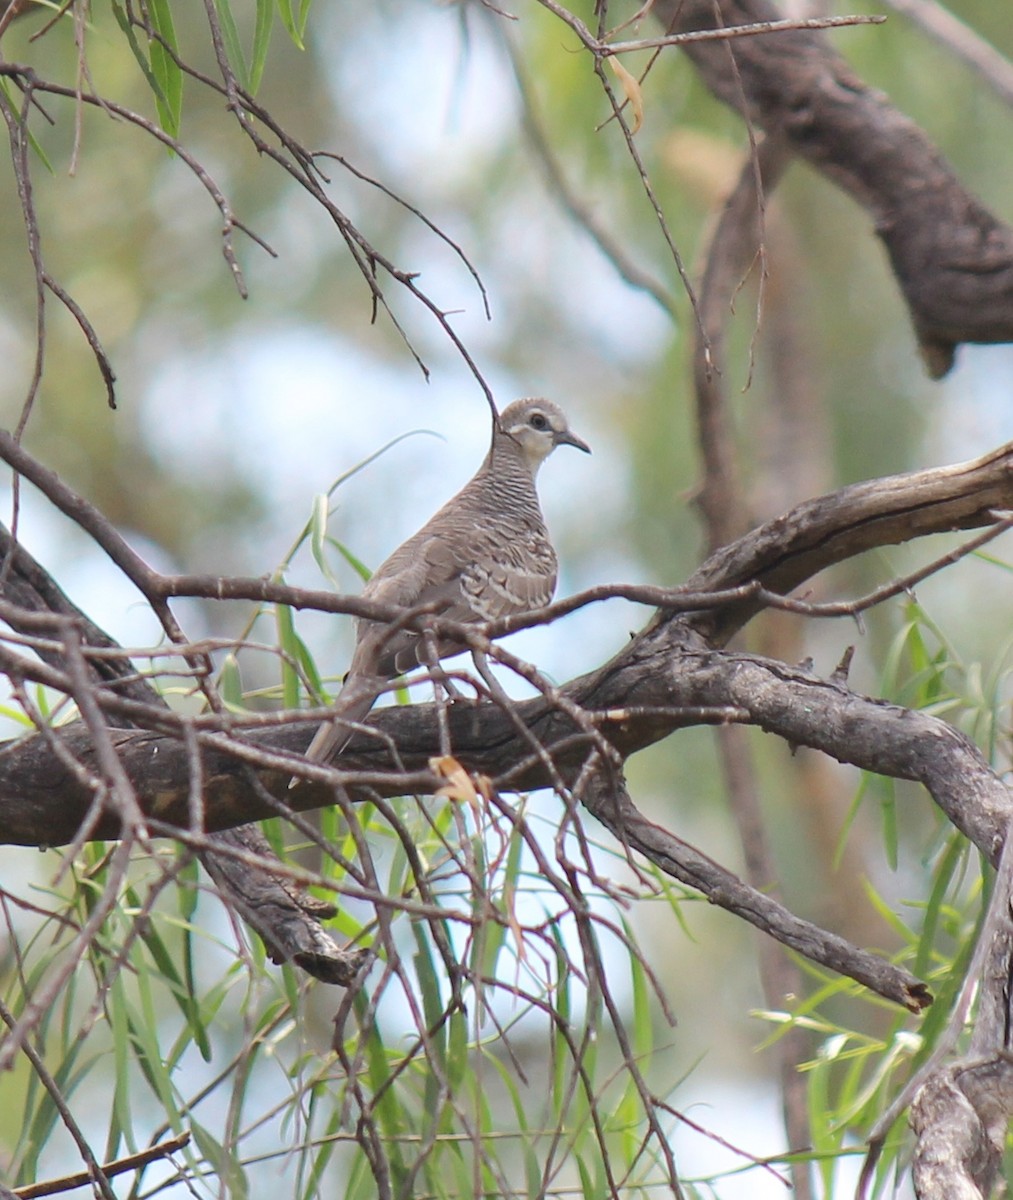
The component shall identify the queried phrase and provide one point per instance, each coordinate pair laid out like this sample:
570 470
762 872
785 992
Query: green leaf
457 1045
317 528
233 45
357 565
393 1119
119 1024
888 816
225 1165
169 99
43 1121
310 1187
825 1137
17 715
432 1004
288 642
945 870
261 41
294 19
560 1046
32 141
230 681
291 22
592 1186
182 993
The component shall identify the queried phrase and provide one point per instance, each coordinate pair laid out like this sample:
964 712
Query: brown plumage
485 554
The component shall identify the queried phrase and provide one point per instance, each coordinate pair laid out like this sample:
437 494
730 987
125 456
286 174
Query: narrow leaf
261 41
165 68
233 45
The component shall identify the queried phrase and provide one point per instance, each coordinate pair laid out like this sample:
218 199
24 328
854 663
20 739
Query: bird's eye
539 421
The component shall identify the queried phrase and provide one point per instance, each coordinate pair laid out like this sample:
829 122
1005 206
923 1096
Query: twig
650 193
302 168
29 80
571 200
118 1166
730 32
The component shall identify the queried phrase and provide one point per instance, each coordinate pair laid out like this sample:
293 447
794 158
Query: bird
485 554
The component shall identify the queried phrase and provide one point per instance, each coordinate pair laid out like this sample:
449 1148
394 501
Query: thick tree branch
779 555
639 696
610 802
783 553
792 703
675 673
285 915
952 258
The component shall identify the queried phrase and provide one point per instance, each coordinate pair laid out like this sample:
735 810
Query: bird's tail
351 704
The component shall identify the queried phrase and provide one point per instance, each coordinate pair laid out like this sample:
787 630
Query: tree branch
952 258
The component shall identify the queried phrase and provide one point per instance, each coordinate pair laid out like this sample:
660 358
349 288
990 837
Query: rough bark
952 259
675 673
654 685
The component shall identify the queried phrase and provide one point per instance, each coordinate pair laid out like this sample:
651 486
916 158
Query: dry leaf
509 908
458 786
634 95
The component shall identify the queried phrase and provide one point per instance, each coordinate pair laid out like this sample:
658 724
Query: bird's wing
488 577
478 578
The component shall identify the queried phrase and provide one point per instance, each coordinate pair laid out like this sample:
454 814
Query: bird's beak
566 438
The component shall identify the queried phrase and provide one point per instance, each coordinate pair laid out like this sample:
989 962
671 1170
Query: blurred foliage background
233 414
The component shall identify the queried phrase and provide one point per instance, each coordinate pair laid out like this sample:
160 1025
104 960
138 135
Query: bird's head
538 427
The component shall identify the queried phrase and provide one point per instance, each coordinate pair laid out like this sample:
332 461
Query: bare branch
611 804
570 199
132 1162
952 258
